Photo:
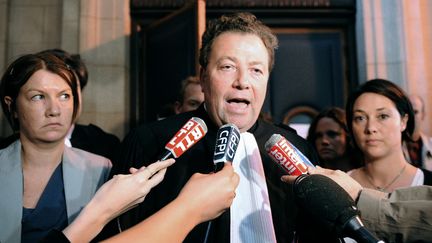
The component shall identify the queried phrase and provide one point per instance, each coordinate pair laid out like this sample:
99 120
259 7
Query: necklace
383 189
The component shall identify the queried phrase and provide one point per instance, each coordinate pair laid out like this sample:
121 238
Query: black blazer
145 144
427 177
93 139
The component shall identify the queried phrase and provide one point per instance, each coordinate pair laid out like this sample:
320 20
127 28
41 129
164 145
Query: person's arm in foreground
116 196
203 198
402 216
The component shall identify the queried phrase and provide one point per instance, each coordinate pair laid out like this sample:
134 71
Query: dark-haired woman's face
330 139
44 108
377 125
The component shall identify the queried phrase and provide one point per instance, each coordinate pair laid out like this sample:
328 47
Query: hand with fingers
204 197
209 195
343 179
116 196
123 192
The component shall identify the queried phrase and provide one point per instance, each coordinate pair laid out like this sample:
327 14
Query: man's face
235 80
418 112
193 97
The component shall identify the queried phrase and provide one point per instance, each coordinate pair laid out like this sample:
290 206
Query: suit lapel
76 186
11 184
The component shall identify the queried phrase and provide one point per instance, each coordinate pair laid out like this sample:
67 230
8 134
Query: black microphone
191 132
324 200
227 141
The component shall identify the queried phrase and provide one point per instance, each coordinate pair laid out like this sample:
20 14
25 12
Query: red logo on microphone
187 136
283 153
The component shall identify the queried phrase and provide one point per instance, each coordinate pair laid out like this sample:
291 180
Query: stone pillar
104 45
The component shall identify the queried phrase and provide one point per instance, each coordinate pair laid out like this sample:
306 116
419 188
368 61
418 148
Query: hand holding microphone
318 196
209 201
227 141
325 201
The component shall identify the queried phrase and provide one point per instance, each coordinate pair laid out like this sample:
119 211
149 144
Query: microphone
191 132
325 201
287 155
227 141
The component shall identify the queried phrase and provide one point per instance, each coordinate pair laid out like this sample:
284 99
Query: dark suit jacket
93 139
145 144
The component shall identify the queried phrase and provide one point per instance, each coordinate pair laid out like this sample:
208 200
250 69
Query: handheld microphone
227 141
191 132
325 201
287 155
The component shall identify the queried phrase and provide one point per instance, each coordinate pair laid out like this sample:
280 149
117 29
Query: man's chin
242 125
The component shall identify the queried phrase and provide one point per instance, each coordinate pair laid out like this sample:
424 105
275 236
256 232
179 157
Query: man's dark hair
245 23
184 84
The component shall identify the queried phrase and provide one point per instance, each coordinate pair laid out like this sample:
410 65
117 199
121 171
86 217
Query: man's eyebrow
226 57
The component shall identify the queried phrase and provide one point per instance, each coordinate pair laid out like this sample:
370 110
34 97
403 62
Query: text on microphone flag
187 136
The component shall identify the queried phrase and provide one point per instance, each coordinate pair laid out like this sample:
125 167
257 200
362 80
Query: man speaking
236 58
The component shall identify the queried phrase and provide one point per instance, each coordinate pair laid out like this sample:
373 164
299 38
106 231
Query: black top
427 177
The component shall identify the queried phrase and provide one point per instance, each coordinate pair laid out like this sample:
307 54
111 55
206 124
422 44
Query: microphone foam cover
325 201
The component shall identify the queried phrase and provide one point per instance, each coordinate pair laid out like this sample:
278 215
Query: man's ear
8 100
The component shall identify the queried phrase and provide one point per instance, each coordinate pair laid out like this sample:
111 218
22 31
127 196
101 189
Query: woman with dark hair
329 135
43 184
380 117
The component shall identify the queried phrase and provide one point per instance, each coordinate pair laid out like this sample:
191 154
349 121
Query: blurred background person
328 134
43 184
380 117
418 151
190 96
